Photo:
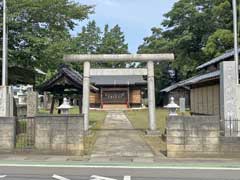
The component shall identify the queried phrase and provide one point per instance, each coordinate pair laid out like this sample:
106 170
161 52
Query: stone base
153 133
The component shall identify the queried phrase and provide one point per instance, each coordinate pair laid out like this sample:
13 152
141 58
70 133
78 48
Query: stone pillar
6 101
85 100
238 105
228 98
45 100
151 96
32 104
182 104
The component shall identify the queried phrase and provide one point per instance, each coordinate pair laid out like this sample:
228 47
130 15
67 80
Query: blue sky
135 17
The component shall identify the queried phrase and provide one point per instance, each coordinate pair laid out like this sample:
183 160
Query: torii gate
149 58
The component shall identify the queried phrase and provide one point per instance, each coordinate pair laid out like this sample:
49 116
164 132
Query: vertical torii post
151 96
149 58
86 89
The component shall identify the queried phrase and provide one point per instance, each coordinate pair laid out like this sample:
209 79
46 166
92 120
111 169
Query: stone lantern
172 107
65 106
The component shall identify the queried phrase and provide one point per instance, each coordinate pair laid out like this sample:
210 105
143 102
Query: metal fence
25 134
231 127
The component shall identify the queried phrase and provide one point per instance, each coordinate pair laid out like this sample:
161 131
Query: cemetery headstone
182 103
32 103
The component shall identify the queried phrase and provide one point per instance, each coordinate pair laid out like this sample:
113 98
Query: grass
96 119
139 120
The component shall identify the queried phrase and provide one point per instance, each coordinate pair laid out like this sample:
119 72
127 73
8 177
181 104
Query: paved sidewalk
119 141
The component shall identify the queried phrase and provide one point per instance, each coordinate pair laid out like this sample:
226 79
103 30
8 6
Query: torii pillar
149 58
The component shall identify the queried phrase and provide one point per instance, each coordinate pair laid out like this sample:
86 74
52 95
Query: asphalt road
42 173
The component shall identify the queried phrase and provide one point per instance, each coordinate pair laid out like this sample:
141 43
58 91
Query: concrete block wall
193 136
59 134
230 147
7 133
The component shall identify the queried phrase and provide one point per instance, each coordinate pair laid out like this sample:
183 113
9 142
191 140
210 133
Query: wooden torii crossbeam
149 58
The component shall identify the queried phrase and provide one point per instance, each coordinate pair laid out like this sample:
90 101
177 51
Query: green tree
219 42
113 42
39 31
195 31
87 42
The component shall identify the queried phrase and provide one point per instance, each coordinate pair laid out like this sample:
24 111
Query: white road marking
94 177
127 178
59 177
3 176
174 167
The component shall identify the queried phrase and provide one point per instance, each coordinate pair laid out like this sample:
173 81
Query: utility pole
235 31
5 47
5 109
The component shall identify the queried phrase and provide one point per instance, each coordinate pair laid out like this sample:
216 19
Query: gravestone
32 103
182 103
45 100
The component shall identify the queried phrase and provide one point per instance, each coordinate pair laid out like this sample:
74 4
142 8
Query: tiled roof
75 78
218 59
193 80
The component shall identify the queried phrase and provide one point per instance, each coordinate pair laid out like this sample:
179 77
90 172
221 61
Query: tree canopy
195 31
38 30
91 40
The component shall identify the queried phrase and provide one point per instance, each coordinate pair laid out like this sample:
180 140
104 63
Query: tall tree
87 42
39 30
113 42
195 31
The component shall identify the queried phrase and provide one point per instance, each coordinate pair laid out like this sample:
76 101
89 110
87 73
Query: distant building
205 87
177 91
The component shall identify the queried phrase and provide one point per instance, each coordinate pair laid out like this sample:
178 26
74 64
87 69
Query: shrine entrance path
119 141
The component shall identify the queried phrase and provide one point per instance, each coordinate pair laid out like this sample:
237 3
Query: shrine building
118 92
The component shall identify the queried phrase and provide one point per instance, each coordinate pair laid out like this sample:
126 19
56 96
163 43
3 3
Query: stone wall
199 136
59 134
7 133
